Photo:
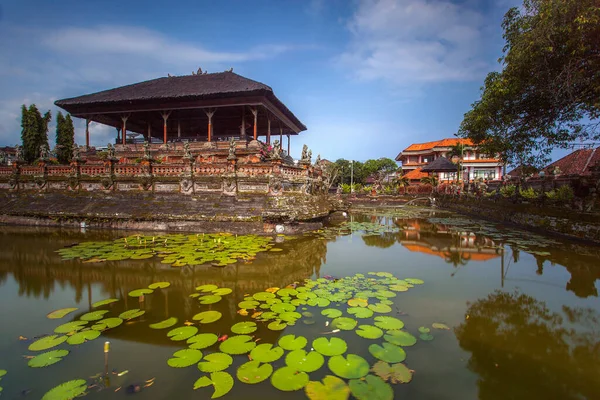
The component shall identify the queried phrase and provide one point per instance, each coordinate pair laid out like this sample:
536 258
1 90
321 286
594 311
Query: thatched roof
440 164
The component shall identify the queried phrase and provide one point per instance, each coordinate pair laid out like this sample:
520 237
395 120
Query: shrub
564 194
528 193
508 190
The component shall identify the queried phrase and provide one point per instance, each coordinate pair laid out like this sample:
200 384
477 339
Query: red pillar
87 133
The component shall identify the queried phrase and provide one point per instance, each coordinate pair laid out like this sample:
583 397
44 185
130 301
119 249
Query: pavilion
200 107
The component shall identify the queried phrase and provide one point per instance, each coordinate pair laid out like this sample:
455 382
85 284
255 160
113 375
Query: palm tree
458 150
402 180
430 180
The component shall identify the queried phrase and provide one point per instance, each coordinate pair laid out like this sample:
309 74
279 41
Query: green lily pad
222 382
318 302
287 292
396 373
306 296
67 390
385 293
438 325
202 340
360 312
93 316
330 347
332 388
2 372
265 316
350 367
387 352
240 344
249 304
209 299
388 323
56 314
47 342
182 333
266 353
107 323
70 327
357 302
206 317
423 329
283 307
184 358
262 296
104 302
140 292
207 288
167 323
426 337
159 285
222 291
290 316
291 342
253 372
215 362
331 313
82 337
344 323
277 325
244 327
298 302
414 281
400 338
307 314
380 308
303 361
399 288
369 332
47 358
131 314
371 388
289 379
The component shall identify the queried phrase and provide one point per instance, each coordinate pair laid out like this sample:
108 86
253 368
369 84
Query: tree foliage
361 171
34 133
547 93
65 133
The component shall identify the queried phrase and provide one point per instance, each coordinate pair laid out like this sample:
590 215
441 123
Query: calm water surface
523 310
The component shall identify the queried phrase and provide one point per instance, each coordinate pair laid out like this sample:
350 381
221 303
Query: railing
128 170
93 170
293 171
208 169
255 170
168 169
59 170
6 170
32 170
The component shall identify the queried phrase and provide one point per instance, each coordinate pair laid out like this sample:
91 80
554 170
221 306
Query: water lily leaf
206 317
344 323
369 331
70 327
222 382
207 288
291 342
332 388
240 344
438 325
303 361
396 373
253 372
380 308
360 312
283 307
277 325
400 338
184 358
107 323
289 379
263 296
47 358
67 390
222 291
306 296
388 323
104 302
298 302
244 327
318 301
266 353
331 313
2 372
371 388
423 329
167 323
307 314
330 347
215 362
385 293
387 352
414 281
350 367
251 304
202 341
265 316
131 314
159 285
426 337
357 302
290 316
287 292
82 337
182 333
399 288
209 299
387 302
93 316
140 292
56 314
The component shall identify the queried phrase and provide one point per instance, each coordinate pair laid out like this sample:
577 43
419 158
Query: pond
420 304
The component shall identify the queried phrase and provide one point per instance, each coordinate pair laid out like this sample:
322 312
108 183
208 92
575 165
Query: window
485 174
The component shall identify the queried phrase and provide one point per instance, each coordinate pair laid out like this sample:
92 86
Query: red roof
578 162
438 143
415 174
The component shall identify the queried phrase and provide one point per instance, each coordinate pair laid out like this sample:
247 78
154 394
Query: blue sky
367 77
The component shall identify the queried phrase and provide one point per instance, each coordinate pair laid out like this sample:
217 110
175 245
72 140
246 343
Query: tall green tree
65 133
547 93
34 133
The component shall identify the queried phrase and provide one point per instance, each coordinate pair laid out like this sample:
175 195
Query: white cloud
415 42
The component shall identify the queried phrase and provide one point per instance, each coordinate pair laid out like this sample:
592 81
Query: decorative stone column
186 184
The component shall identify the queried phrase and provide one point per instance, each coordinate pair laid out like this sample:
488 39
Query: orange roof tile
449 142
465 255
415 174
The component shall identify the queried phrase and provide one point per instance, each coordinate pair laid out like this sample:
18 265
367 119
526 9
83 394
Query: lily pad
371 388
47 358
369 332
318 302
240 344
82 337
360 312
67 390
287 292
244 327
56 314
350 367
266 353
253 372
277 325
262 296
289 379
222 291
396 373
184 358
426 337
209 299
303 361
249 304
207 288
70 327
438 325
380 308
182 333
331 313
47 342
107 323
202 340
400 338
140 292
332 388
93 316
414 281
291 342
222 382
356 302
290 316
159 285
283 307
423 329
344 323
388 323
104 302
399 288
167 323
215 362
131 314
388 352
330 347
206 317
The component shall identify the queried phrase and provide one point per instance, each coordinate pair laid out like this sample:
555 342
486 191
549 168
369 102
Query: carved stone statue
276 154
309 156
186 150
146 150
19 153
304 156
231 155
318 160
44 152
111 151
76 152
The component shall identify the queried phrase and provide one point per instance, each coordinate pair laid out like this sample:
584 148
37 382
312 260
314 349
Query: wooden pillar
243 126
209 113
255 112
268 130
87 133
165 116
124 118
288 144
178 129
280 137
149 138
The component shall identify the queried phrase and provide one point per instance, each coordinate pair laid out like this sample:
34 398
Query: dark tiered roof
441 164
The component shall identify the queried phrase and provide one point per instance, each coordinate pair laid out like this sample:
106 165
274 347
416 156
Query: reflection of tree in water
383 240
456 258
522 350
